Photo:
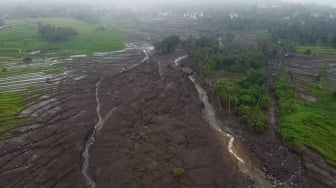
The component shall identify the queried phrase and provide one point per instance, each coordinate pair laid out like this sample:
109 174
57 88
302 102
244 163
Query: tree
56 34
168 44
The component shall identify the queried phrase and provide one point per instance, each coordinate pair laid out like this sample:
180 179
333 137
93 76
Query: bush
178 171
253 117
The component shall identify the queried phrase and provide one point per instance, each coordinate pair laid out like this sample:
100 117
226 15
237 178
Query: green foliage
56 33
10 106
177 171
253 116
247 96
251 98
288 99
308 124
168 44
232 58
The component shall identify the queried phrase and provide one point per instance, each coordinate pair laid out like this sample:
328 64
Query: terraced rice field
305 70
322 51
22 85
307 121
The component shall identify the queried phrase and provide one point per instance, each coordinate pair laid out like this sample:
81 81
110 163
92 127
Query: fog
161 2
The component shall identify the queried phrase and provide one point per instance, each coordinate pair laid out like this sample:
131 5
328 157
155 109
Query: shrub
178 171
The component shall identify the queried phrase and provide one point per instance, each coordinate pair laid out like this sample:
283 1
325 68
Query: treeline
210 57
300 24
56 34
246 96
82 12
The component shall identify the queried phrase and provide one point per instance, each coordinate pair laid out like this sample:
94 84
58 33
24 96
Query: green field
310 124
21 38
10 105
322 51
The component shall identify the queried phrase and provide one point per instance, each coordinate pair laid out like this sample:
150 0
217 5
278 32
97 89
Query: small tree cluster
168 44
56 34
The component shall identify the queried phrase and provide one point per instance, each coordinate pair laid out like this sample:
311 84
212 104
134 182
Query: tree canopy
168 44
56 34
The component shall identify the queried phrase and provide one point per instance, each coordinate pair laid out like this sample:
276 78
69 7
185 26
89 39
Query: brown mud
156 126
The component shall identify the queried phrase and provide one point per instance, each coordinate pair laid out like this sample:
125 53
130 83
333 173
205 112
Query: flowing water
98 127
180 59
91 140
209 113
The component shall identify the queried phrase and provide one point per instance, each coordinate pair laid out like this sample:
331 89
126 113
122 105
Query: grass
311 124
323 51
11 104
21 38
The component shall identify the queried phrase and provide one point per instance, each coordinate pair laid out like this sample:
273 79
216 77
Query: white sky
328 2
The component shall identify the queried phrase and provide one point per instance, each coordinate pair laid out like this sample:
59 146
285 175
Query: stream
91 140
99 125
209 113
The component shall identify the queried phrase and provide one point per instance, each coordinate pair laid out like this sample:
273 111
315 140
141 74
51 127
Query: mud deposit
149 123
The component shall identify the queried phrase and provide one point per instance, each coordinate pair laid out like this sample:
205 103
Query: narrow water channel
91 140
98 127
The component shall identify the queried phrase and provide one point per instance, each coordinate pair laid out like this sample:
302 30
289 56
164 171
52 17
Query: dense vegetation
168 44
298 24
244 89
56 33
